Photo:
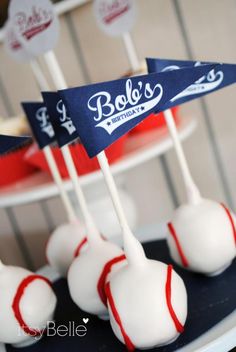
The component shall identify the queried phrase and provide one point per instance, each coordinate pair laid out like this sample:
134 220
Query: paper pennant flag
103 112
41 126
220 77
63 126
9 143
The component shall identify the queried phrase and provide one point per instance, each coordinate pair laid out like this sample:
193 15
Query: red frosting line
178 325
177 243
102 279
117 318
231 221
81 244
17 299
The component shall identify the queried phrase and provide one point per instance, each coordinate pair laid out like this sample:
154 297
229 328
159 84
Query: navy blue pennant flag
103 112
63 125
9 143
41 126
218 78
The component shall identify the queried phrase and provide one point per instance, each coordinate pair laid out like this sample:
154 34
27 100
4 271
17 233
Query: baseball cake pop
202 233
27 304
63 245
147 300
202 237
88 274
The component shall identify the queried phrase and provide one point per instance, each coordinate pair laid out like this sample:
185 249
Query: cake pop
63 245
202 237
88 273
202 233
27 304
142 291
147 300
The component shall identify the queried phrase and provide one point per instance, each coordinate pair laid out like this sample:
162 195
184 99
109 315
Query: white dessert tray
139 148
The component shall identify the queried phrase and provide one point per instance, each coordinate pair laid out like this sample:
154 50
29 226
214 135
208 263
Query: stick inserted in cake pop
60 83
67 237
133 249
58 180
193 194
202 232
101 256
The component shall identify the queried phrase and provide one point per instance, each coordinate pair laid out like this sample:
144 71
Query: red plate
14 168
155 121
82 162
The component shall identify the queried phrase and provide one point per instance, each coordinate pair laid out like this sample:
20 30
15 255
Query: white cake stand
139 149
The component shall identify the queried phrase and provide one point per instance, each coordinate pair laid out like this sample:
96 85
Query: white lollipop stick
58 180
39 76
60 83
43 85
193 194
93 234
133 249
131 52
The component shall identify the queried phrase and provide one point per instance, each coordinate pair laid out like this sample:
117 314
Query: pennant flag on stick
41 126
220 77
103 112
8 143
63 126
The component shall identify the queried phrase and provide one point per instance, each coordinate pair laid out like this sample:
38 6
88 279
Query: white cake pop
202 234
202 237
147 301
63 244
27 303
88 273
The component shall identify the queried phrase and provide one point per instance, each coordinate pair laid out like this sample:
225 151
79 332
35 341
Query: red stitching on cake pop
117 318
177 243
178 325
16 303
231 221
102 279
81 244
